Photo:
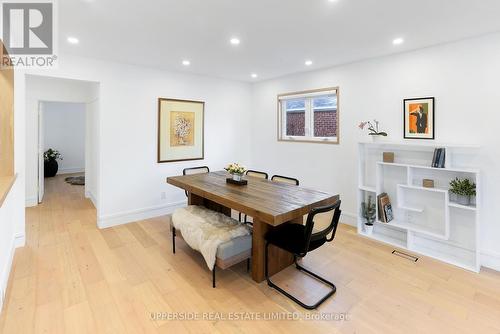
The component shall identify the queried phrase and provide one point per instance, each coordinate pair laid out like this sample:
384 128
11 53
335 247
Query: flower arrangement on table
236 170
372 128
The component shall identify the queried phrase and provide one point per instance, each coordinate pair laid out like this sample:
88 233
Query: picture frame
419 118
180 130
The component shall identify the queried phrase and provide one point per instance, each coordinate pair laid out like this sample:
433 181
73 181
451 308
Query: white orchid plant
235 168
372 128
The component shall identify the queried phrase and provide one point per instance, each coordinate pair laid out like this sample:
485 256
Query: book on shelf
383 202
439 158
388 213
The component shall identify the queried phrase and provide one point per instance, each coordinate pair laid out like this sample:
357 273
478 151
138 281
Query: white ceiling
277 36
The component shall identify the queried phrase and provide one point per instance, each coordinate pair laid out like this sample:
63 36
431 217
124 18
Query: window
309 116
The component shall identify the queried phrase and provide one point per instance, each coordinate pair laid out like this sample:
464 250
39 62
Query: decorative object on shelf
418 118
385 208
388 157
236 170
373 129
439 158
388 213
180 130
428 183
368 212
50 165
464 189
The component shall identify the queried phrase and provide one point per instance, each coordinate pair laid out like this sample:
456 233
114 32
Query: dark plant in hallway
50 162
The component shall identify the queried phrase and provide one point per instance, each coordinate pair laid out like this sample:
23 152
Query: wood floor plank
74 278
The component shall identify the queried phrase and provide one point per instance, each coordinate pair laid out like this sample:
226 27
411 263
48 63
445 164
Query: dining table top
271 202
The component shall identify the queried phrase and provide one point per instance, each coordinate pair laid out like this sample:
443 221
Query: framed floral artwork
180 130
418 118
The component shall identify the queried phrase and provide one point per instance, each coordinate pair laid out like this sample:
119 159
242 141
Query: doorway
62 115
61 143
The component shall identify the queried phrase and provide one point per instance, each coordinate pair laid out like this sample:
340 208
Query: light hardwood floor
74 278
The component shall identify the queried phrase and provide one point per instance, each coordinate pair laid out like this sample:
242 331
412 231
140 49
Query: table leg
278 258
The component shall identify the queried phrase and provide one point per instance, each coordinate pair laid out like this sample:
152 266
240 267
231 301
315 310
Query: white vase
375 138
237 177
368 229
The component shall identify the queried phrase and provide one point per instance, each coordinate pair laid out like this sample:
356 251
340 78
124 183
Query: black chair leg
173 239
309 307
248 265
213 277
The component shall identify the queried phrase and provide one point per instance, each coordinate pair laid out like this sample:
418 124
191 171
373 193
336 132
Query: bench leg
173 239
213 277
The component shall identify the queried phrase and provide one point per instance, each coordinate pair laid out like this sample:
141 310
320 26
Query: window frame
309 116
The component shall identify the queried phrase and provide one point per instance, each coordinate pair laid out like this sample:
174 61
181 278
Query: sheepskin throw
204 230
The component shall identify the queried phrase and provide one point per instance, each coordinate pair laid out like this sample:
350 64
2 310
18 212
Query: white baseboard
139 214
71 170
349 219
31 201
17 241
490 260
90 195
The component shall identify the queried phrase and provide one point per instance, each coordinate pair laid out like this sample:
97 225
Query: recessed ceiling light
235 41
398 41
308 62
332 0
186 62
73 40
254 75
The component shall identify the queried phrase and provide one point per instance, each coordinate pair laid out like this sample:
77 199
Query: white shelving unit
426 220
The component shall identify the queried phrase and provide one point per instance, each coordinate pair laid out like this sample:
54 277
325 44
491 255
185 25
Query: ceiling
277 36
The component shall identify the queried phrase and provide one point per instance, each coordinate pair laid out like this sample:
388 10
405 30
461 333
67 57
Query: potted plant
236 171
373 129
50 162
368 212
464 189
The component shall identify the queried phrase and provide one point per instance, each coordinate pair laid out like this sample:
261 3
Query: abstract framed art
418 118
180 130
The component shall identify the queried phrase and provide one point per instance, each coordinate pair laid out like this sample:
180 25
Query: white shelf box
425 220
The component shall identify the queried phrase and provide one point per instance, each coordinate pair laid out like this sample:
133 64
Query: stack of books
439 158
385 213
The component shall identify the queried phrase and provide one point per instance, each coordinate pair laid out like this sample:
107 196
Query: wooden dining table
268 203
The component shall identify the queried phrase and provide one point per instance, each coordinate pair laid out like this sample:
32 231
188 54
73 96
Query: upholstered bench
205 226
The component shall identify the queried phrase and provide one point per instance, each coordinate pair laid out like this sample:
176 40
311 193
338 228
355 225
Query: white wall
37 89
64 131
12 214
462 76
131 181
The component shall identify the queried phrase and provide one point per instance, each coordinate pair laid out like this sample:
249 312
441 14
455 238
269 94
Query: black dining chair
285 179
195 170
299 240
260 175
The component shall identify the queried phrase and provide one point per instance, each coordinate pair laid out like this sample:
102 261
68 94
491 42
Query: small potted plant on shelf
50 165
373 129
236 171
368 212
464 189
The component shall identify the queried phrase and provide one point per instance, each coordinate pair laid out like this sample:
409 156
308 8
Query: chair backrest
195 170
256 173
285 179
323 234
